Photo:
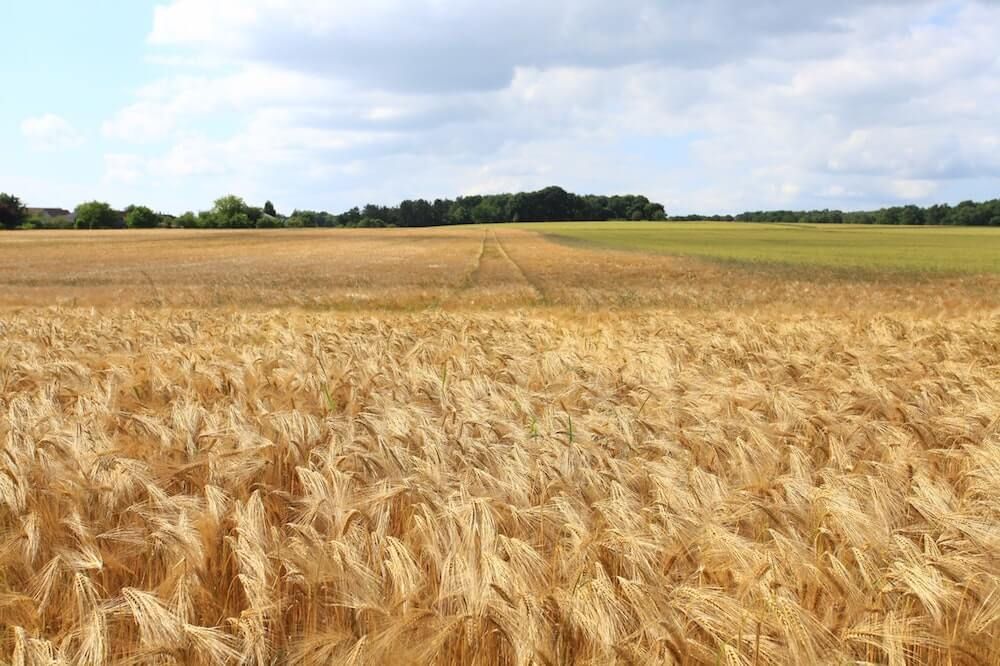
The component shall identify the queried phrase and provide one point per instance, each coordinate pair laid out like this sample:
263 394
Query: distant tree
487 210
303 218
264 221
440 211
141 217
310 218
937 214
186 221
254 216
97 215
350 218
910 215
231 212
206 219
458 214
269 209
419 213
12 212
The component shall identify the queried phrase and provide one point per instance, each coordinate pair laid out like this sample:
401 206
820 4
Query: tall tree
12 212
97 215
269 209
231 212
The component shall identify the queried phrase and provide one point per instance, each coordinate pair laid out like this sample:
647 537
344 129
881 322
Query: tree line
549 204
967 213
232 212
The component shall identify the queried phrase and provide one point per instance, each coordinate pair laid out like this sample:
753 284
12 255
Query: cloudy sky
705 105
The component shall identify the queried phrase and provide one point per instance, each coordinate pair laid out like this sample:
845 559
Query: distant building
50 212
52 218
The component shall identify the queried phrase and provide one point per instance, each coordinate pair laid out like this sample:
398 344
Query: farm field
482 267
482 445
872 248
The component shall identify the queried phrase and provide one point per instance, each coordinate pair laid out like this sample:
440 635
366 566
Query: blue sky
84 58
77 61
709 106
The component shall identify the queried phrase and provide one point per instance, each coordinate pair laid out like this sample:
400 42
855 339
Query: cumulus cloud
50 132
123 168
755 104
448 45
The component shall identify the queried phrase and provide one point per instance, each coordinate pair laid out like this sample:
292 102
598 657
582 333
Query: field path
535 286
495 279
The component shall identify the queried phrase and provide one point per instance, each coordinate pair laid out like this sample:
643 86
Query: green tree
255 215
264 221
12 212
141 217
487 210
97 215
458 214
303 218
269 209
910 215
206 219
231 212
187 221
350 218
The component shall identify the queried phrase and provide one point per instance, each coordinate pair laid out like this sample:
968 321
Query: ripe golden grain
209 487
773 471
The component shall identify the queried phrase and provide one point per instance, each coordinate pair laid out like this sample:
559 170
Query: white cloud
913 189
217 21
141 122
448 45
165 105
123 168
50 132
191 157
742 104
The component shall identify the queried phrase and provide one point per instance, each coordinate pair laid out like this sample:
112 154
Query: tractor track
495 278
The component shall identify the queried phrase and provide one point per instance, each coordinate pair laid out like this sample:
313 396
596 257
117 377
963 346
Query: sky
708 106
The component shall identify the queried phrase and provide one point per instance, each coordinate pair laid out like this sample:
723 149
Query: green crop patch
905 249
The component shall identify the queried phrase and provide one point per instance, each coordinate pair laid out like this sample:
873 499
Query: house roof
51 212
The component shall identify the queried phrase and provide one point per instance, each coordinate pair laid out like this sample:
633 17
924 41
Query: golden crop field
482 446
494 268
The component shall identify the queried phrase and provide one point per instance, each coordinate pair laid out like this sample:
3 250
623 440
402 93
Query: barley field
483 446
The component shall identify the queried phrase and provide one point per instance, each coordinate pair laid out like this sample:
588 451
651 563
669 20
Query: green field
909 249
